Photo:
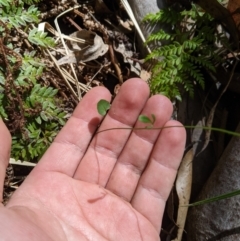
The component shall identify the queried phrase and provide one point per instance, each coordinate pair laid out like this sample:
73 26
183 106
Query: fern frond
161 35
171 49
188 86
41 115
166 15
40 38
16 15
165 89
30 59
30 2
5 3
192 45
204 62
30 73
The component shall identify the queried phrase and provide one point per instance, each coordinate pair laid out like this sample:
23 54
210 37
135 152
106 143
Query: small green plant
151 120
191 45
102 104
148 120
40 38
15 15
33 112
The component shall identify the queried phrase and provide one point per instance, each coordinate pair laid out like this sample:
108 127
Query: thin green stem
220 197
166 127
213 199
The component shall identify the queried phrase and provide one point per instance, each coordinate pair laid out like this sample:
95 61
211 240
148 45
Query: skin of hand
108 186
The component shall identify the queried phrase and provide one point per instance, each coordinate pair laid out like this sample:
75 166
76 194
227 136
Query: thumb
5 148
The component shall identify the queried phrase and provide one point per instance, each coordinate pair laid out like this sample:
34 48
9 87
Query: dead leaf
126 25
90 49
145 75
127 55
234 9
117 89
183 188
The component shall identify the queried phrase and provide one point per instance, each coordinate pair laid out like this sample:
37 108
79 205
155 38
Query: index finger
71 143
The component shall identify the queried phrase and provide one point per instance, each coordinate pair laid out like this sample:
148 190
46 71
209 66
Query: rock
141 9
219 220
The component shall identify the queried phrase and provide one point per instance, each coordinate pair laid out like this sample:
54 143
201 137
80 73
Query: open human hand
109 186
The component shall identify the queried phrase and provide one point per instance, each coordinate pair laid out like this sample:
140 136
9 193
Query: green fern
8 3
35 141
30 70
15 15
30 2
49 111
29 58
33 112
40 38
42 126
190 48
42 112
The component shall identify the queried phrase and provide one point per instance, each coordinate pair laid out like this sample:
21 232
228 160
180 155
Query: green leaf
44 105
217 198
38 120
4 3
103 106
40 38
43 116
144 119
23 153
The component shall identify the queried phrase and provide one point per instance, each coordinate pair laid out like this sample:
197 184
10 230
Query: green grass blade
214 199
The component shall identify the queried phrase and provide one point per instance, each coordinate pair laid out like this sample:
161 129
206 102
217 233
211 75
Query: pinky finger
5 147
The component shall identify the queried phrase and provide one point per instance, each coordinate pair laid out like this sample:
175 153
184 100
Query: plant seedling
103 106
146 119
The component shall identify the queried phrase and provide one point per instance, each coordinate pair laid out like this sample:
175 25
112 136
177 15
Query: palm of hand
113 189
90 214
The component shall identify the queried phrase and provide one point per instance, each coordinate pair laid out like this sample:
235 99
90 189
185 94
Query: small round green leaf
144 119
103 106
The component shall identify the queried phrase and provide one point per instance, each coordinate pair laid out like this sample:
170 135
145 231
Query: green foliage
42 95
103 106
40 38
31 69
32 111
42 115
15 15
35 141
149 120
190 46
8 3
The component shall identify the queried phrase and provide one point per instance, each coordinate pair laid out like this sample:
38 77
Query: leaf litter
91 49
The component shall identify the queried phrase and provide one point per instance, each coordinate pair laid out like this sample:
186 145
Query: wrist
15 226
